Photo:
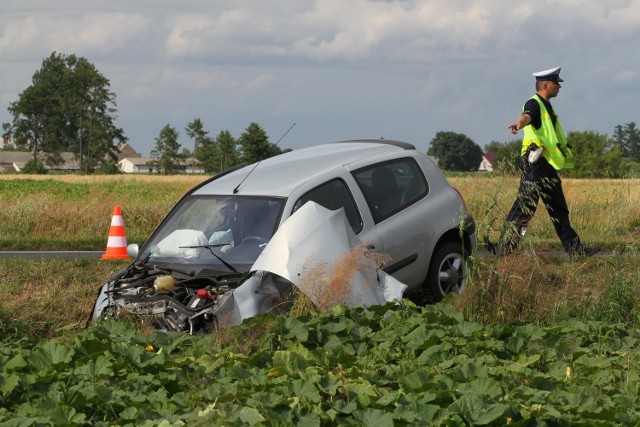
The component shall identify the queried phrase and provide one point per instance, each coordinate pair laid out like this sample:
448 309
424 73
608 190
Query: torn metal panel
317 236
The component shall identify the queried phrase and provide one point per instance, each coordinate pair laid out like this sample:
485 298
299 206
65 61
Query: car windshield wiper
210 247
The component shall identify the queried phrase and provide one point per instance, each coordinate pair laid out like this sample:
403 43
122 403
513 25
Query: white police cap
552 74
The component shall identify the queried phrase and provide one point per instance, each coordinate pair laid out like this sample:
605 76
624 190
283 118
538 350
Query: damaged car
237 244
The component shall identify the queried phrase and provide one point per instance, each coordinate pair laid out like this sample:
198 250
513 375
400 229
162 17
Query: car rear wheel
446 271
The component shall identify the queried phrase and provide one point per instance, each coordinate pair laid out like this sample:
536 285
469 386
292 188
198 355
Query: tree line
596 155
211 154
69 107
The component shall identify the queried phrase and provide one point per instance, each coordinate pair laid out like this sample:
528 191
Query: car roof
282 174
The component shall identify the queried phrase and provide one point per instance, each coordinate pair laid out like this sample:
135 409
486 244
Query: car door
394 190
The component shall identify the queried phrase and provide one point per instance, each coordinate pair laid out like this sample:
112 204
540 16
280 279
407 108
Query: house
147 165
488 160
14 161
136 164
129 161
125 151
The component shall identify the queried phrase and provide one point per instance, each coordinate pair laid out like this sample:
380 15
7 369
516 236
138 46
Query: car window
391 186
334 195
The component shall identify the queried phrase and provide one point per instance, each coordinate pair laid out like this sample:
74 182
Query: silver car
394 199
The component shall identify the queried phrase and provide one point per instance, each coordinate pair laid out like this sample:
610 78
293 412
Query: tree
627 137
595 155
29 120
195 130
68 107
455 151
166 151
255 144
225 153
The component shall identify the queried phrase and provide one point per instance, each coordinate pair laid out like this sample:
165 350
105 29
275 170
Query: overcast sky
338 69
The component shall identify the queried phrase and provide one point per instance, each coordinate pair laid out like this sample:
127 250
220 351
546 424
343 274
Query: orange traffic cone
117 243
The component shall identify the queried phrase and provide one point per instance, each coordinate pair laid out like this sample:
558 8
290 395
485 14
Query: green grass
74 213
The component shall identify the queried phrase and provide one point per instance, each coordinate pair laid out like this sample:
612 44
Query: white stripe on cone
117 242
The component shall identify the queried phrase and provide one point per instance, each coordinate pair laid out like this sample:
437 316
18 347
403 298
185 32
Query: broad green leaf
50 355
514 344
374 418
389 397
100 368
467 329
468 369
437 353
418 380
365 393
345 407
481 386
308 420
8 383
16 363
130 413
294 329
289 360
251 416
477 411
417 413
305 389
422 337
593 362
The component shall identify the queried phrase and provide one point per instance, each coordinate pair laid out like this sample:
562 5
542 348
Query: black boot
576 248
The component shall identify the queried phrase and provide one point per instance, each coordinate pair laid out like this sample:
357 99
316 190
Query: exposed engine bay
166 302
175 302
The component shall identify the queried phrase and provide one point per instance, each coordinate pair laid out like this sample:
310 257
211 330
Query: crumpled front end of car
172 298
166 301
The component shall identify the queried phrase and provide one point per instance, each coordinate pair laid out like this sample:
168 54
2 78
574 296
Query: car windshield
215 231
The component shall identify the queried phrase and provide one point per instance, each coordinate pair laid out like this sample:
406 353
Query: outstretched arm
522 121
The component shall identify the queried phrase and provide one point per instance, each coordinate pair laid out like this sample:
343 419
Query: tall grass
71 212
542 289
74 212
38 297
605 212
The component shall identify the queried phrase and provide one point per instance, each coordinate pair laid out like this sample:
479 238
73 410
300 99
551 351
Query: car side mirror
133 249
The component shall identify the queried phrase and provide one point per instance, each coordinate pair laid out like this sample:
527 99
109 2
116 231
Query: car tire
447 270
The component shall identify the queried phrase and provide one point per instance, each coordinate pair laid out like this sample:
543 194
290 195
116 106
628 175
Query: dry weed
326 285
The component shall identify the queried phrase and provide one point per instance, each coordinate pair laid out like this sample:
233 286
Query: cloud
96 33
337 68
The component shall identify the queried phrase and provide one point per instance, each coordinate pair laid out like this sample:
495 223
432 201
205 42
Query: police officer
544 152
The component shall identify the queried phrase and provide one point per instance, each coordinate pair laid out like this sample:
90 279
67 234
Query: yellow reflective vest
556 150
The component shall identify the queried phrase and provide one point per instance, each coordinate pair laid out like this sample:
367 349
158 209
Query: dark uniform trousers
539 181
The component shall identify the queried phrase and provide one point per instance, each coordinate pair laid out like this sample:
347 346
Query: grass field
533 340
74 213
69 212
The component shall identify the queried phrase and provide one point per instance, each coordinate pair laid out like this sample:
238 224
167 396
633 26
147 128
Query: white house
136 164
486 165
147 165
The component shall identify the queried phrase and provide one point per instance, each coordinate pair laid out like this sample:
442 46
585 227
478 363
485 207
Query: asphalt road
51 254
98 254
